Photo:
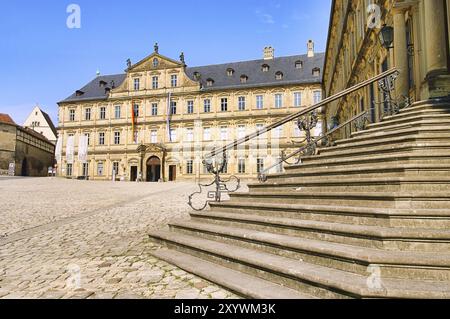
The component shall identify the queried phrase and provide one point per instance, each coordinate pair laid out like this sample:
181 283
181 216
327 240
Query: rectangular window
241 131
242 104
88 138
190 107
72 115
173 135
207 105
101 138
137 84
278 132
190 167
317 97
174 80
190 135
155 83
87 114
100 169
259 165
116 168
278 101
297 132
259 102
173 108
207 134
117 112
102 113
135 137
154 109
280 165
224 104
69 170
241 166
297 99
136 110
116 138
154 137
85 169
224 133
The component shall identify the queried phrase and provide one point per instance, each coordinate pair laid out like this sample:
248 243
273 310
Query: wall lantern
387 36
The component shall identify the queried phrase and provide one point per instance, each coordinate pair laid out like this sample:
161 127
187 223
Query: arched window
265 68
244 78
209 82
279 75
155 62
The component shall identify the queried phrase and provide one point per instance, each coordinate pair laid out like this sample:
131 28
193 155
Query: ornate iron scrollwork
360 123
215 167
306 123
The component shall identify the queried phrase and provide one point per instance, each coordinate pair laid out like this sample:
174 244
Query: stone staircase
367 218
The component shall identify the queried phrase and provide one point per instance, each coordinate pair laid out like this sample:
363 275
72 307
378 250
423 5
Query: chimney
269 53
310 49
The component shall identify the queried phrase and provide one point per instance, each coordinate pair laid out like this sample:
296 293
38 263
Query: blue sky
43 61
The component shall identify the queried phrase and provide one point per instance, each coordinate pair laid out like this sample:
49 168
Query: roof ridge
256 60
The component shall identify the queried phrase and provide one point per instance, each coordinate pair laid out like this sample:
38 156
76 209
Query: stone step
411 160
411 134
385 217
419 123
346 257
417 116
325 183
240 283
388 238
403 200
393 147
312 279
439 108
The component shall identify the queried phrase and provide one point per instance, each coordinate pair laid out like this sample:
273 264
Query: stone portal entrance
153 169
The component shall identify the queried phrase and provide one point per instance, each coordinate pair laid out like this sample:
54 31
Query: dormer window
230 72
79 93
316 72
299 65
209 82
279 75
265 68
197 76
102 84
244 78
155 62
107 91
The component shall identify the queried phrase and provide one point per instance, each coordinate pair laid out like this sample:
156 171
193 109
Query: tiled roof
5 118
255 75
94 91
221 80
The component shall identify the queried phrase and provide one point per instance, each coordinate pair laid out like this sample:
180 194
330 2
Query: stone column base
439 86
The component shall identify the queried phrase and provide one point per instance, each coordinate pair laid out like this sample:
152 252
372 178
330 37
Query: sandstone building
41 122
23 152
419 50
160 117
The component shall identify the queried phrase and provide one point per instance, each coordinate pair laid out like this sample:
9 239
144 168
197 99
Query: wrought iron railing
216 161
311 147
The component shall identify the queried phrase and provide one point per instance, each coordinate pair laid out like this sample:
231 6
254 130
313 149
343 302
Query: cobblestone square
76 239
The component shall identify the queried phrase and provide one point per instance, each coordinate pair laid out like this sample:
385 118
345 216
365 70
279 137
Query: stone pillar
401 53
436 49
435 37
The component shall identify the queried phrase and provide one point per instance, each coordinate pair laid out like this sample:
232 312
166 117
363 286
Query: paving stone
188 294
102 230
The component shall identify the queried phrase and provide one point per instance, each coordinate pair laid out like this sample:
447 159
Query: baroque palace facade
420 51
159 119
